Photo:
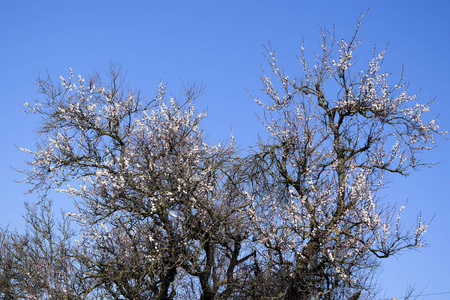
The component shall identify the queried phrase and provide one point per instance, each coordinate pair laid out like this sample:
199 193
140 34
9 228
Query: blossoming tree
152 197
334 135
164 215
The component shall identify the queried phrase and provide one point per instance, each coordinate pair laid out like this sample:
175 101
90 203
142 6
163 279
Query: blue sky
220 43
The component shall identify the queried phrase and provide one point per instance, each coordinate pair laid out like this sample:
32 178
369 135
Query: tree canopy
163 214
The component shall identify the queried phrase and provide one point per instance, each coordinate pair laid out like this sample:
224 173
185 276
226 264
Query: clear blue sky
220 43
